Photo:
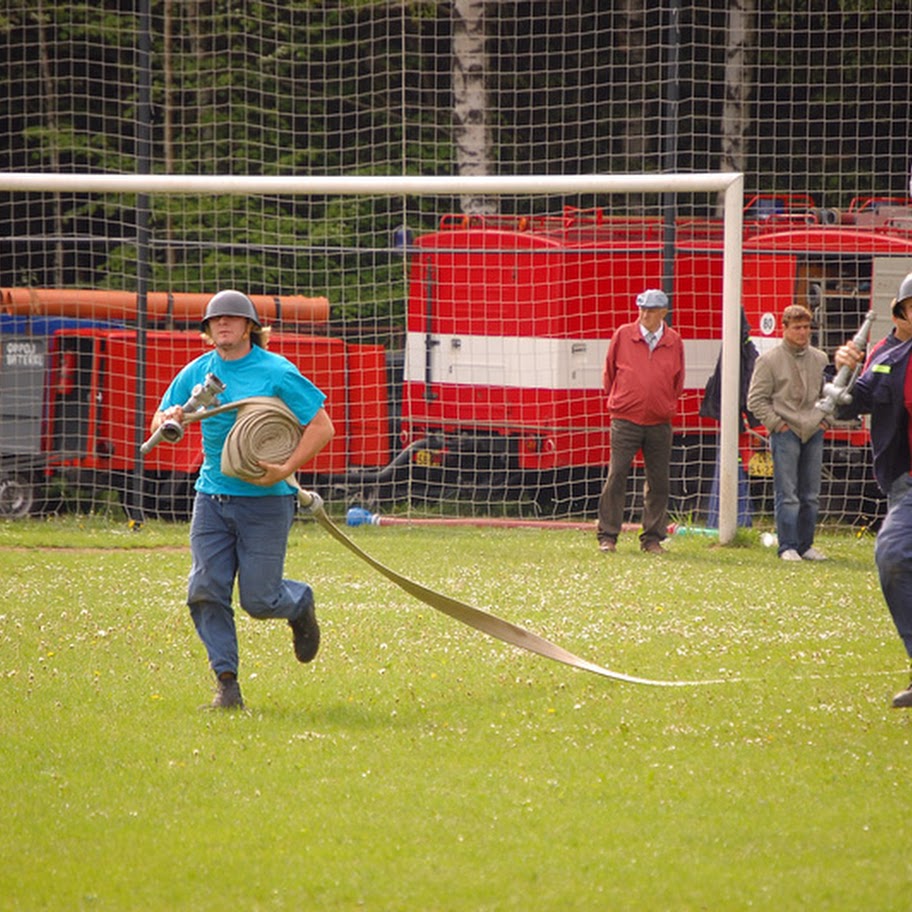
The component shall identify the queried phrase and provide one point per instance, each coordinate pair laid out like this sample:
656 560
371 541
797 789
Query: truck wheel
170 499
16 497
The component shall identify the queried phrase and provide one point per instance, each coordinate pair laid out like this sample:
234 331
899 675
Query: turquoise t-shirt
259 373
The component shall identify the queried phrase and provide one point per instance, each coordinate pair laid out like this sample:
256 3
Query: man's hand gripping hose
267 431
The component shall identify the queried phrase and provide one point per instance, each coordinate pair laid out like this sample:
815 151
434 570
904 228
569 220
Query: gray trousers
655 442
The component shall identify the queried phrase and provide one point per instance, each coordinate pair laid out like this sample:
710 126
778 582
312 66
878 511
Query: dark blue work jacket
880 391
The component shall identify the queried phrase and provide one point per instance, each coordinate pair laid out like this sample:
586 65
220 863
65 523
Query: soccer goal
461 354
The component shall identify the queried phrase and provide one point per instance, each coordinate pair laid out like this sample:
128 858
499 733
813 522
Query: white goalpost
728 186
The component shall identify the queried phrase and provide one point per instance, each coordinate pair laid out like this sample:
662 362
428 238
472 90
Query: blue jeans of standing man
243 538
796 486
893 555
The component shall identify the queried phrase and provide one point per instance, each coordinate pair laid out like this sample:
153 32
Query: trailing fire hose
266 430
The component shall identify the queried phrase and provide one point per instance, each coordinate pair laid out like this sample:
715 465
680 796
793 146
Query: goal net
484 397
459 330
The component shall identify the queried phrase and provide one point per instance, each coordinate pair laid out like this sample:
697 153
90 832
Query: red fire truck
509 320
68 399
499 396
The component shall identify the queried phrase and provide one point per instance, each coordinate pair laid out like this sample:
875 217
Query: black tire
17 497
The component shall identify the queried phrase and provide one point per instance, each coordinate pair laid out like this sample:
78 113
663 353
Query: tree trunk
735 114
632 17
49 98
470 101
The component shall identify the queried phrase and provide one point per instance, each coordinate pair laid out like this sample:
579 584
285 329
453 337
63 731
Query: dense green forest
802 97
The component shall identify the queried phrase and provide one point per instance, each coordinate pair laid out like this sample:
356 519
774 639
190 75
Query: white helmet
905 291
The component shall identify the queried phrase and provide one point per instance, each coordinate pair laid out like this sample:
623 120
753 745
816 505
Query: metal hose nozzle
202 396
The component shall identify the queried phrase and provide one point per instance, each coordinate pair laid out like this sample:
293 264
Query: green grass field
419 765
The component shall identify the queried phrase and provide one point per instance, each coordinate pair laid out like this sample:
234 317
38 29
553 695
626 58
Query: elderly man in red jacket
643 379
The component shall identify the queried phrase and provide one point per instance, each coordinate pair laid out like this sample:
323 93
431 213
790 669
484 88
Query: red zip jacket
643 386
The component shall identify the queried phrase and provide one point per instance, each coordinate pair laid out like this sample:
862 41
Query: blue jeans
243 538
796 486
893 555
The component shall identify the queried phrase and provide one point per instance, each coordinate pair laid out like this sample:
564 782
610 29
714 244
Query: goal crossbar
401 185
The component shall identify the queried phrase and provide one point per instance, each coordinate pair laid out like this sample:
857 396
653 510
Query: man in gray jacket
784 390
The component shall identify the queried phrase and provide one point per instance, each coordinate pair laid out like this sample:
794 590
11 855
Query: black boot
228 694
903 699
306 633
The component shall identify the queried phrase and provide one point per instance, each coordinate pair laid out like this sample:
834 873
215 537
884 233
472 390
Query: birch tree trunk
632 19
735 113
470 100
52 123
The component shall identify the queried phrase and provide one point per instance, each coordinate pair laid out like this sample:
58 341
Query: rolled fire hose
266 430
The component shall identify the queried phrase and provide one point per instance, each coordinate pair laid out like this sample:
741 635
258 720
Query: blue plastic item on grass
359 516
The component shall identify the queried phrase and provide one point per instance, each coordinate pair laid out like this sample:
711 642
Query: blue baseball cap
652 299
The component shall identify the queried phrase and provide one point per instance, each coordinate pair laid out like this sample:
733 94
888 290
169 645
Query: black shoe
903 699
306 634
227 696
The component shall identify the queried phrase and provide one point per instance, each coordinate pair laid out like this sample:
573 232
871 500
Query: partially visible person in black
711 405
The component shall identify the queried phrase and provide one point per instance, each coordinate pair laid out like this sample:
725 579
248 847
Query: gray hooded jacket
785 387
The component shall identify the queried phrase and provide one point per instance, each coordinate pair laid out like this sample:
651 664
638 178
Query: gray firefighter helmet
905 291
230 303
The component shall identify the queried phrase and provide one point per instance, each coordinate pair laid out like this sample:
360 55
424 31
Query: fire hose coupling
204 395
839 390
309 501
